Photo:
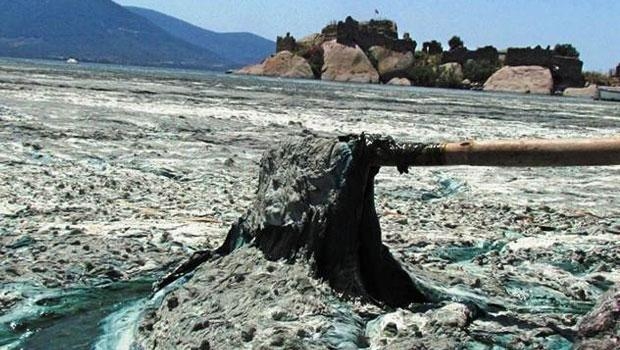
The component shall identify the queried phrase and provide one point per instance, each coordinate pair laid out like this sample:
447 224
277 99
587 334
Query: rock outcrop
283 64
600 328
347 64
590 91
399 82
523 79
286 64
390 64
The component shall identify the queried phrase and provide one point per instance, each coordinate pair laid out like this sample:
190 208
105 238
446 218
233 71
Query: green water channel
79 318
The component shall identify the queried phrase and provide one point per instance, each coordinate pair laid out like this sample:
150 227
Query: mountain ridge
97 31
240 47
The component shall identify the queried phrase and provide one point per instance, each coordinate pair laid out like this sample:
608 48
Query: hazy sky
592 26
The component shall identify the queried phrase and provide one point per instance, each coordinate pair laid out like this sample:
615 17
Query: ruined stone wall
385 28
462 55
528 57
286 43
567 71
459 55
488 53
351 32
330 32
374 33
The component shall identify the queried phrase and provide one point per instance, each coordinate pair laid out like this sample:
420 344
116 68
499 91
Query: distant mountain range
241 48
103 31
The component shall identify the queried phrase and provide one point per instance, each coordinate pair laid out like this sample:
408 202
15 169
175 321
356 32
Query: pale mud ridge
112 175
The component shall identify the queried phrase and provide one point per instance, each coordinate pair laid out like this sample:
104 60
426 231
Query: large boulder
399 82
390 64
590 91
288 65
524 79
284 64
600 328
347 64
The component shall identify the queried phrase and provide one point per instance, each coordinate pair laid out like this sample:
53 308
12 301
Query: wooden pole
513 153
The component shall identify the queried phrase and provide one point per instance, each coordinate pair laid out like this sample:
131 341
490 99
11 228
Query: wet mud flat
111 177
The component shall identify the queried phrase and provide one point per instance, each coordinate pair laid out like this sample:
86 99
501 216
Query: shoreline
42 64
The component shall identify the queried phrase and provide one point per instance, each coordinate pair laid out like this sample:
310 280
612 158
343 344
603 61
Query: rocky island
372 52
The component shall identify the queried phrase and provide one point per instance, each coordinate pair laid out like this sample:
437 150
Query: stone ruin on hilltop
350 32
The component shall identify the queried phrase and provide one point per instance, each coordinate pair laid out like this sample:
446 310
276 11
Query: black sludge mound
315 201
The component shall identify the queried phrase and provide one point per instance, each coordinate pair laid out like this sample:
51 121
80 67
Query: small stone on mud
457 281
39 269
204 345
302 333
580 294
146 326
114 274
546 228
402 221
173 302
198 326
452 315
75 231
283 315
247 334
278 340
8 299
615 228
21 242
12 271
390 329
